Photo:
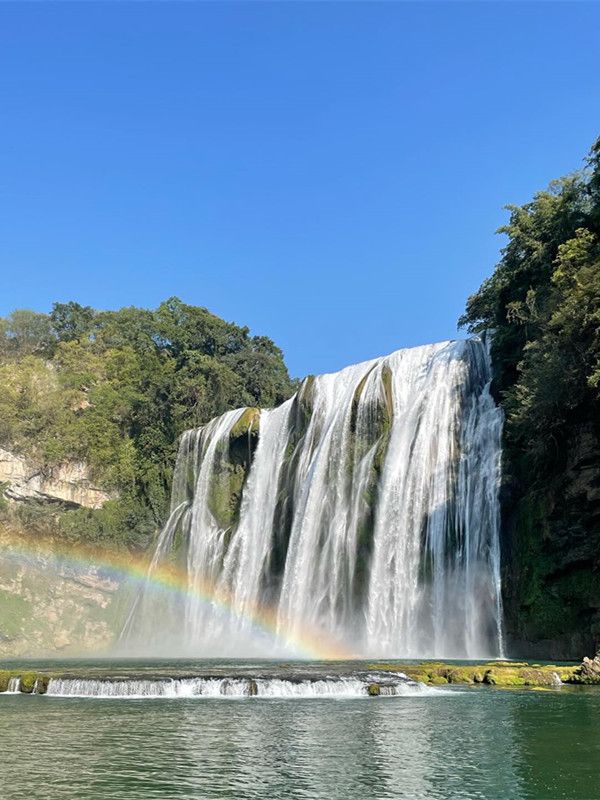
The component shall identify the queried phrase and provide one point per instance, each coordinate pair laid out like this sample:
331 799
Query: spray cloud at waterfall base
362 512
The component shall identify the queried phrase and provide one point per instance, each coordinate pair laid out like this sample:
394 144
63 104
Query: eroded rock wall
51 605
68 483
551 558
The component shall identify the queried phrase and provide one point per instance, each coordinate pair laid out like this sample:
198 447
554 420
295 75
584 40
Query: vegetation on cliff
543 302
115 389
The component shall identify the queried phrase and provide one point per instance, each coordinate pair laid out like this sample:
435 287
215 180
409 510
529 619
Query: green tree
27 332
116 389
543 304
71 321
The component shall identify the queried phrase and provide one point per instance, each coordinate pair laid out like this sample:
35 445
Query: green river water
453 743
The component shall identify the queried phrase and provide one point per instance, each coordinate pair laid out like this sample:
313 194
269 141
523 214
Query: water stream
364 511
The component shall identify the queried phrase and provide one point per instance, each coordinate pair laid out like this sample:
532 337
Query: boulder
589 671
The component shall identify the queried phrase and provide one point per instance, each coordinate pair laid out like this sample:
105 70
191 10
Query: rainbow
121 567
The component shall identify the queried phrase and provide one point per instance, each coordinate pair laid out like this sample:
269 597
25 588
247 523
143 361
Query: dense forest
543 303
115 389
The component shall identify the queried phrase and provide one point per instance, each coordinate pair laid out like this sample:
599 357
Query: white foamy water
369 516
393 686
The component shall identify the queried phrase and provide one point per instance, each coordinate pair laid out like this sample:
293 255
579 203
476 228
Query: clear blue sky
329 174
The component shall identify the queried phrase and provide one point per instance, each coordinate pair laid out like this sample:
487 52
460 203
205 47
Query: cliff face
91 406
551 540
50 606
68 483
542 302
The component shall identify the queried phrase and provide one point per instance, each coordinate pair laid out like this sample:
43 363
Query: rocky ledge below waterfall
293 679
503 673
263 684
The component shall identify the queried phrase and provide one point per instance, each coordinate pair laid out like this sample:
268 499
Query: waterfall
363 510
365 685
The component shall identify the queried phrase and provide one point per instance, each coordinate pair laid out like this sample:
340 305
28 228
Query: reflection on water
464 744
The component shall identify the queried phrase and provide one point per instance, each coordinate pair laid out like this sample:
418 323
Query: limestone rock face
69 483
50 605
589 671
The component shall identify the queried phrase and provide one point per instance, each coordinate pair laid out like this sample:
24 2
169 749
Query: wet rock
4 680
27 684
589 671
247 425
494 673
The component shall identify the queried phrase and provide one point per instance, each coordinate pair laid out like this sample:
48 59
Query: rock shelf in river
330 680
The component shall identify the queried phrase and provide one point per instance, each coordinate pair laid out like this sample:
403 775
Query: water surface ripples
464 744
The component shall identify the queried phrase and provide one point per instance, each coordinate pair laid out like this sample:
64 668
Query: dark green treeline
543 301
115 389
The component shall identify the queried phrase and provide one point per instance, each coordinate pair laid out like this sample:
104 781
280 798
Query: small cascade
247 563
363 511
390 685
14 686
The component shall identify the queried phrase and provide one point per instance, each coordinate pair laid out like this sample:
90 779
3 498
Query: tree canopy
543 303
116 389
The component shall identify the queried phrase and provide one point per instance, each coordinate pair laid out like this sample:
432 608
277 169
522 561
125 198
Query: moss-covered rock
420 677
374 690
306 395
388 393
247 425
27 683
493 673
521 676
4 679
464 675
370 423
232 464
438 680
225 494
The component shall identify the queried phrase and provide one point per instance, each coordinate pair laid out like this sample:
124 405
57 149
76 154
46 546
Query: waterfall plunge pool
441 743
